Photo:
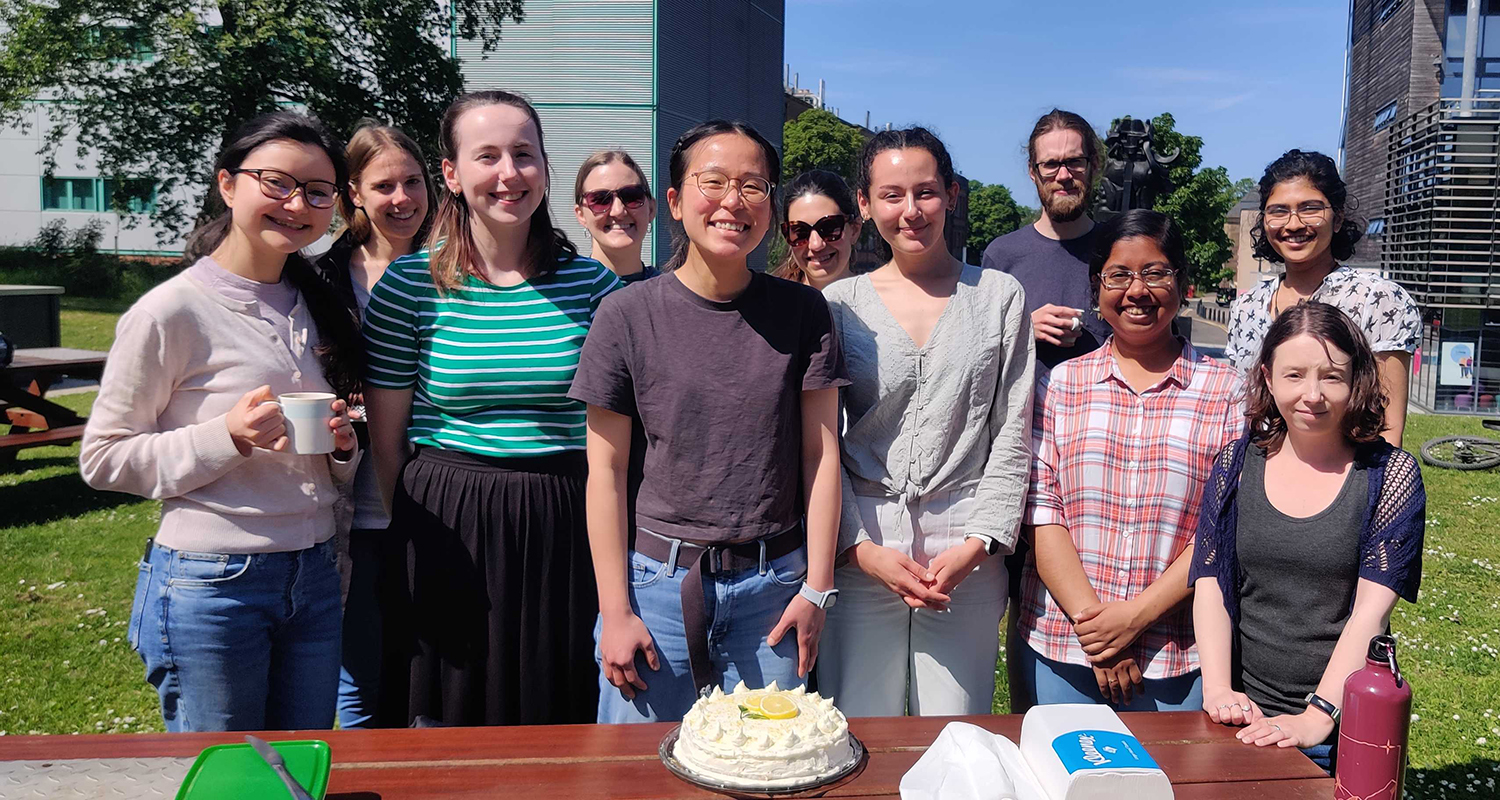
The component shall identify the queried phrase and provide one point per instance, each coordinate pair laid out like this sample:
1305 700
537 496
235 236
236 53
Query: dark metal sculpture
1134 173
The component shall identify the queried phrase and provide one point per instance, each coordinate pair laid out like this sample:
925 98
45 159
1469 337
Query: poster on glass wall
1457 368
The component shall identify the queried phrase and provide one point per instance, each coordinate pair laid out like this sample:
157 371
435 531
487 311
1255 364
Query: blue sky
1253 79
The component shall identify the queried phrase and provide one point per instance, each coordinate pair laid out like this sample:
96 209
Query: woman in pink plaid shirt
1124 437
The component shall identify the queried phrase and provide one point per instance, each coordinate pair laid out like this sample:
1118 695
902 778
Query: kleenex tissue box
1084 752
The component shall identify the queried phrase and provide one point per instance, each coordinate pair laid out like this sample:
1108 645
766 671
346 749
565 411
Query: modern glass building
1423 162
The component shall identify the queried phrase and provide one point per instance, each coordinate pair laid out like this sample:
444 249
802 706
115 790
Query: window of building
69 194
1385 8
137 195
1376 227
1385 116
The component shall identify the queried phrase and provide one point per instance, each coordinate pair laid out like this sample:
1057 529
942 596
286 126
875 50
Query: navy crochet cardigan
1390 542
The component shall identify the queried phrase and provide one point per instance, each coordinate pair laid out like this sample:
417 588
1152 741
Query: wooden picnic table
32 419
589 762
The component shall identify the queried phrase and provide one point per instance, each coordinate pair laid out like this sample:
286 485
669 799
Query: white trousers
878 656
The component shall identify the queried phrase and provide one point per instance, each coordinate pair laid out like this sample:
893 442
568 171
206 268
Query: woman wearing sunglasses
732 373
935 454
1306 223
822 226
612 200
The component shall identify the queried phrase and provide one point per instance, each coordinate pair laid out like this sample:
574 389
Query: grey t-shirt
1052 271
717 388
1297 582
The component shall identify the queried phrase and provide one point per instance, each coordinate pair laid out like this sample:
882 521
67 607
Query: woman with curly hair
1311 528
1307 223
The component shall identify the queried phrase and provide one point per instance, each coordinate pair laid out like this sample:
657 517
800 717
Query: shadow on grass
17 466
1477 778
57 497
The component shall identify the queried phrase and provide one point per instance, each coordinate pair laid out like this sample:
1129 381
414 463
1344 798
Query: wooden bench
11 443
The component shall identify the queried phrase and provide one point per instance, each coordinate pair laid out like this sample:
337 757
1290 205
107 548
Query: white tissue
1084 752
967 762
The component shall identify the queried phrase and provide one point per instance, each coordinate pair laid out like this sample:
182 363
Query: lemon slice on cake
775 706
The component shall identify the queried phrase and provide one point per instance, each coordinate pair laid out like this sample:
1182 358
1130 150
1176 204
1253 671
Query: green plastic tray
236 770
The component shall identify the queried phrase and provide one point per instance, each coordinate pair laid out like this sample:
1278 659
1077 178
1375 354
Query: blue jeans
1052 682
240 641
742 608
1323 755
359 674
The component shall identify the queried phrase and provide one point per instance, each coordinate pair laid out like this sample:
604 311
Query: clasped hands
1104 630
929 587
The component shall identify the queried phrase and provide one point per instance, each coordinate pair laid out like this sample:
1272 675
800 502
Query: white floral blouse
1379 307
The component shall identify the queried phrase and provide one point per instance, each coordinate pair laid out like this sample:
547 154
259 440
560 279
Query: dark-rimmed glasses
1154 277
1049 169
714 185
599 201
829 228
278 185
1309 214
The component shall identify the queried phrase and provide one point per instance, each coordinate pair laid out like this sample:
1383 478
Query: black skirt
495 622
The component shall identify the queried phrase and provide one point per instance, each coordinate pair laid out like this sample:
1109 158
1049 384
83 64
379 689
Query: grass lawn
67 574
89 323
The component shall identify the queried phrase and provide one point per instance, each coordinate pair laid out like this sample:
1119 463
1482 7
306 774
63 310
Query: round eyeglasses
1154 277
714 185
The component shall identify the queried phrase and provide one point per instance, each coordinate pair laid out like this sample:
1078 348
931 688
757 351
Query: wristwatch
824 600
1314 701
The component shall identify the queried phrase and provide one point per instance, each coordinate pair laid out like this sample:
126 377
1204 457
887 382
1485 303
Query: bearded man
1051 256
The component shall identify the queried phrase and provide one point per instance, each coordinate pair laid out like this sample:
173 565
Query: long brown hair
369 141
452 239
1364 419
341 351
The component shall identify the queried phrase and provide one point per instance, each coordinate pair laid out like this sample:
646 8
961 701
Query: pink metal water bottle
1375 725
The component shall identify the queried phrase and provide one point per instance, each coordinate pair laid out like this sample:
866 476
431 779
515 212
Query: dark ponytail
340 349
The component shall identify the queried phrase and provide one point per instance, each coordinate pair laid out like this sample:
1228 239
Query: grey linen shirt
951 415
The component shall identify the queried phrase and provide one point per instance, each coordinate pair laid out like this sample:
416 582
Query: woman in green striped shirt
472 345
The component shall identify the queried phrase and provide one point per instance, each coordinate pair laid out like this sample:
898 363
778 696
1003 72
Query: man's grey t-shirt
1052 271
717 388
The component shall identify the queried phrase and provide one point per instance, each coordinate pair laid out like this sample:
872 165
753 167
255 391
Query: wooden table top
34 358
1203 759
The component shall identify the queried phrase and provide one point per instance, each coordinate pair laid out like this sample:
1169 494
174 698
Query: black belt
713 560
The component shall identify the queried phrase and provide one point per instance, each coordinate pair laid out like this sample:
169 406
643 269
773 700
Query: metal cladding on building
1421 156
635 74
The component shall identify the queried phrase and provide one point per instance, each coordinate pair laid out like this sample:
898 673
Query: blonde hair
452 240
369 141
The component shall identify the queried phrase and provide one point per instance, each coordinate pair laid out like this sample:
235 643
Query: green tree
154 87
1200 199
818 139
992 212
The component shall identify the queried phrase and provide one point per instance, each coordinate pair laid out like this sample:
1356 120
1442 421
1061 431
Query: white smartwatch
824 600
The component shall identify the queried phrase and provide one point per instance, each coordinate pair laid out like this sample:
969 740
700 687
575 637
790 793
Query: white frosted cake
764 738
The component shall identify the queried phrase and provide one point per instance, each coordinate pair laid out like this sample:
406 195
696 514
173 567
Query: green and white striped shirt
491 365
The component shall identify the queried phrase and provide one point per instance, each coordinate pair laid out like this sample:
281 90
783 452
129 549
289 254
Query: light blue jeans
742 608
1052 682
240 641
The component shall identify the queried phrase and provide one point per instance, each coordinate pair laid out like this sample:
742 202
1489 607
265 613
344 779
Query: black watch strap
1324 706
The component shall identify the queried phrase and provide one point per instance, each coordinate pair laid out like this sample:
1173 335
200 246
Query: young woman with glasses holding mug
821 227
732 373
1307 223
236 611
612 200
940 359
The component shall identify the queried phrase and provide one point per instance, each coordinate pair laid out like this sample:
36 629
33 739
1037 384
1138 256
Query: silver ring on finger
1245 709
1277 727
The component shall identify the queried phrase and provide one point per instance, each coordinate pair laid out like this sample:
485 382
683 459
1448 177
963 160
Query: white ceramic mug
307 415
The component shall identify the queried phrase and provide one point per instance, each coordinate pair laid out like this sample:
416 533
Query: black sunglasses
829 228
600 200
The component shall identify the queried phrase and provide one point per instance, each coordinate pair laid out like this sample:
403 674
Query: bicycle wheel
1462 452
